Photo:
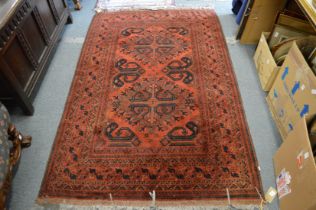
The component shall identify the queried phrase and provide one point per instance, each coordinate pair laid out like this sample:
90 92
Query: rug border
256 162
66 105
209 201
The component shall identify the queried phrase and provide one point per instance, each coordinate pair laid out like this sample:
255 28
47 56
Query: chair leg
19 141
14 134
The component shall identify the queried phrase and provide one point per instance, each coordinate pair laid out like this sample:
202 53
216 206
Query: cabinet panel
60 6
6 91
46 14
34 37
20 66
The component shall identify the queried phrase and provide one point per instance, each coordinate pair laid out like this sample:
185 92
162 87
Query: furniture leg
16 136
77 4
69 19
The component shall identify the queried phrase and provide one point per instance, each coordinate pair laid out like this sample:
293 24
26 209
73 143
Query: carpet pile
154 106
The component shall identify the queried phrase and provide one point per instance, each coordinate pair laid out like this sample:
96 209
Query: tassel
153 196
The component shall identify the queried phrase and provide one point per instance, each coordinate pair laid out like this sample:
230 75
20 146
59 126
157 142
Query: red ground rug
154 105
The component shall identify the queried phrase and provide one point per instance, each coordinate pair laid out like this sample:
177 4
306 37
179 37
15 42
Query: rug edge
63 116
147 203
241 102
97 8
152 8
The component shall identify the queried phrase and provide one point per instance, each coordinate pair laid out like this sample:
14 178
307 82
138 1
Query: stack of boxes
292 102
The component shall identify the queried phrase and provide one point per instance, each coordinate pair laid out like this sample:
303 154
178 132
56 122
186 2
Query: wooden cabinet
29 31
259 17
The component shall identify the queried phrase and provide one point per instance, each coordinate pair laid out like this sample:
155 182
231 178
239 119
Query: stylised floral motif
154 45
154 105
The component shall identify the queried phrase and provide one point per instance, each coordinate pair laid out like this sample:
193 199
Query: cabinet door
19 64
261 19
32 34
60 6
46 14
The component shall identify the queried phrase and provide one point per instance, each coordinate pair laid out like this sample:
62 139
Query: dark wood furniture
29 32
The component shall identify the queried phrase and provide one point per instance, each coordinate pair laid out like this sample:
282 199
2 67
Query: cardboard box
282 33
293 93
287 18
266 67
295 170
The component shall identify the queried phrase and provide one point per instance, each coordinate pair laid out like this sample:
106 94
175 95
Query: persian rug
132 4
154 106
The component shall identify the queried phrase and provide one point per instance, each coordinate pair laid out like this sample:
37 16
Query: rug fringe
74 207
84 204
98 10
